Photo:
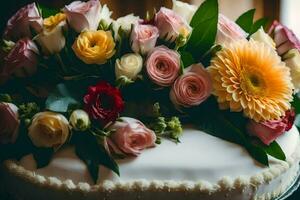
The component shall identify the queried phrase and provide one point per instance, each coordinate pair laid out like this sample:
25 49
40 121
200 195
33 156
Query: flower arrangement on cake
112 88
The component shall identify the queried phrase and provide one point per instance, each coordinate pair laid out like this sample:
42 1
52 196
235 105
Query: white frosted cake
200 167
182 104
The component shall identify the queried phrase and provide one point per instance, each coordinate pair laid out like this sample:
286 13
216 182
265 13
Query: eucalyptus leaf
61 98
245 21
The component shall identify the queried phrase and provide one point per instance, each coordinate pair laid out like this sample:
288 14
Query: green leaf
43 156
258 154
61 98
186 58
259 23
46 11
204 23
245 21
94 154
275 150
296 103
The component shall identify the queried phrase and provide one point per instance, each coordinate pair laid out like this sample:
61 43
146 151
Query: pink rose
171 25
22 60
130 136
143 38
83 15
19 25
9 123
192 88
163 66
228 31
284 38
269 131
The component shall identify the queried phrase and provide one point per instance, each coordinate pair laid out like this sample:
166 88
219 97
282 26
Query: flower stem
61 63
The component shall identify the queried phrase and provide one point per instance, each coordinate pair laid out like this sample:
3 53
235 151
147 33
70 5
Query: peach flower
163 65
130 136
192 88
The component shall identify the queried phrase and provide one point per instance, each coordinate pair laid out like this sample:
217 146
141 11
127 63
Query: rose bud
52 39
284 38
163 66
9 123
22 60
125 23
171 25
83 15
94 47
143 38
261 36
228 31
49 130
129 66
79 120
191 88
269 131
103 103
292 60
185 10
20 25
130 136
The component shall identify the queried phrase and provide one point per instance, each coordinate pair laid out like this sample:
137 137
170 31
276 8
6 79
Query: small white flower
79 120
185 10
125 23
261 36
105 15
292 60
130 65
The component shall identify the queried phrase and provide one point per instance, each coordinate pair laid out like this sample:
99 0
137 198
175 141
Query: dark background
9 7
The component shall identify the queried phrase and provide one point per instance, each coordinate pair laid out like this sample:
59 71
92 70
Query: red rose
103 103
269 131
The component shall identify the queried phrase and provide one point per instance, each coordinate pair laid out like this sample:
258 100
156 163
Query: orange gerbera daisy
249 76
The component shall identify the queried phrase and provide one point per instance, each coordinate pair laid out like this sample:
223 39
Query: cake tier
200 167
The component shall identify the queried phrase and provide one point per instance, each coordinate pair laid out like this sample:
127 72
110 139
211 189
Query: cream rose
192 88
130 136
52 39
261 36
48 130
130 65
185 10
292 60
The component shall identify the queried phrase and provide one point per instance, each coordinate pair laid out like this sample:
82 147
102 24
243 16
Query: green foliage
46 11
61 98
204 24
90 150
246 22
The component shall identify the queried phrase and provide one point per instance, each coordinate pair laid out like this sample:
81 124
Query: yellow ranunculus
52 21
94 47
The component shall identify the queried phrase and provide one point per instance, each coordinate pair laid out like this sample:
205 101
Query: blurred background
286 11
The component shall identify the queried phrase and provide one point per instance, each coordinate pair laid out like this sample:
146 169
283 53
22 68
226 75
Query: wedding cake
184 104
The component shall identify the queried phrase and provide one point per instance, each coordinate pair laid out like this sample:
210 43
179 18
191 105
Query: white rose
292 60
262 36
80 120
49 130
185 10
53 41
130 65
125 23
105 15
